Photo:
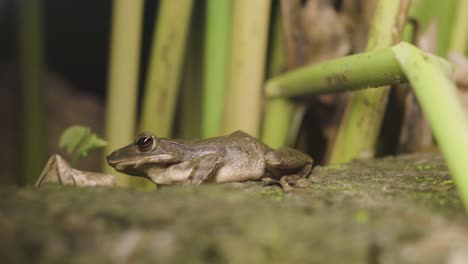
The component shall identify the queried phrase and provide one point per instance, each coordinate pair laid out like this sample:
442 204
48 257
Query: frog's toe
287 183
270 181
302 183
294 180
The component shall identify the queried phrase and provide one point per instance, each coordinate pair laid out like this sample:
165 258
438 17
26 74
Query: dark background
76 39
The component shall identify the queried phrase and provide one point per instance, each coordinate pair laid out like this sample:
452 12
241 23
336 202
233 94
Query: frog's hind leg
287 165
286 161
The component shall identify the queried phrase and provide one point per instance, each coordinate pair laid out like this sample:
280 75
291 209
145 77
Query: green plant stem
439 12
246 66
441 104
217 29
355 72
370 69
277 122
189 121
123 78
165 66
33 121
459 34
360 126
278 111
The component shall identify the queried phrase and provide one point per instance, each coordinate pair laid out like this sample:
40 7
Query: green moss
424 167
334 167
448 182
276 193
361 217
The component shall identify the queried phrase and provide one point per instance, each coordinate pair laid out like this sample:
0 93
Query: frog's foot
270 181
288 183
295 180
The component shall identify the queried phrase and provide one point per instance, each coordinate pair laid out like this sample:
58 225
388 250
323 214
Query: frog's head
136 158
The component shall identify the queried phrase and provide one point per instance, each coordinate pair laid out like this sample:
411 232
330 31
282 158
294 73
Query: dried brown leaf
58 170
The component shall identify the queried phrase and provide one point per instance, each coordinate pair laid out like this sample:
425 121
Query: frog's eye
144 143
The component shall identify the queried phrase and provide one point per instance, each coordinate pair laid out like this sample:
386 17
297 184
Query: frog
237 157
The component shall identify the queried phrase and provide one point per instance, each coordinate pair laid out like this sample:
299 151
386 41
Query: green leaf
91 142
72 137
79 141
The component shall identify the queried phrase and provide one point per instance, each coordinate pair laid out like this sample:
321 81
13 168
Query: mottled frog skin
233 158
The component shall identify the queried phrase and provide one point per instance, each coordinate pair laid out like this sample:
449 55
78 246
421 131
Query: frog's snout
111 159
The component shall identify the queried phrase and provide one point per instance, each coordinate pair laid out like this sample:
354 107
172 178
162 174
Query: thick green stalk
370 69
165 67
360 126
441 104
459 34
123 78
33 121
278 111
440 12
355 72
217 29
188 125
246 66
277 122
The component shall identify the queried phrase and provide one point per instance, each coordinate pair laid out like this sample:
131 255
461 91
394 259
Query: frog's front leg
287 165
205 168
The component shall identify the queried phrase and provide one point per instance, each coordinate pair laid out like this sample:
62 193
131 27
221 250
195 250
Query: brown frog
232 158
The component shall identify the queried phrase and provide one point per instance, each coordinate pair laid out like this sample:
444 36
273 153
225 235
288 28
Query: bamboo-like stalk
440 12
459 34
217 33
189 123
359 129
277 122
33 132
123 78
354 72
441 104
278 111
369 69
246 66
165 66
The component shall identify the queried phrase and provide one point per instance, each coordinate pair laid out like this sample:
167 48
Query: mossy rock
391 210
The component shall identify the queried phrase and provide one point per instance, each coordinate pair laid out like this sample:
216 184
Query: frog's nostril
111 158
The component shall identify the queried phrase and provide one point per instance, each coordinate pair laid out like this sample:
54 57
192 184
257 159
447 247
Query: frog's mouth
122 165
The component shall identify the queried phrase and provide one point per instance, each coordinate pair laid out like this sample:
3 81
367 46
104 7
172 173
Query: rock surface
392 210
